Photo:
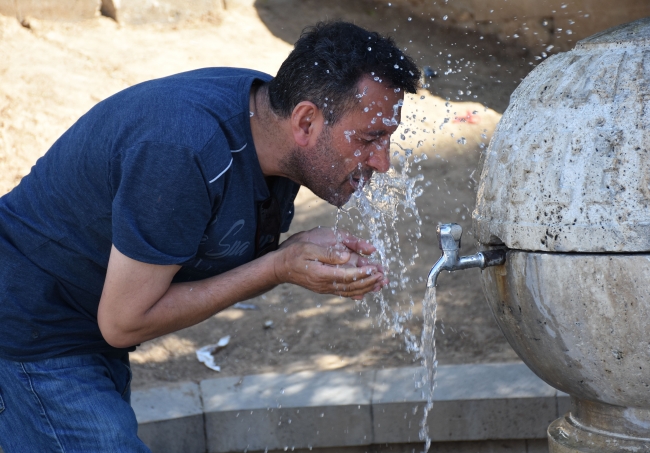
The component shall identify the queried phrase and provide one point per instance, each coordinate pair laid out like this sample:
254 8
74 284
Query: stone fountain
565 189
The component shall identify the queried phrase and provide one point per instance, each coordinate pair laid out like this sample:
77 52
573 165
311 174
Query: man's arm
139 302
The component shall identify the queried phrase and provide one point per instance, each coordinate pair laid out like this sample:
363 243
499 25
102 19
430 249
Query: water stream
380 205
428 356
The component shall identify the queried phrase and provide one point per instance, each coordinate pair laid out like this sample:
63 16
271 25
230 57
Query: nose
380 159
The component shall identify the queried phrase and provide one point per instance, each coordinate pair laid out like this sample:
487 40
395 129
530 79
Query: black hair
327 63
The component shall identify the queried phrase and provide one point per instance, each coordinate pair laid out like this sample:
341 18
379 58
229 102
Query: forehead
377 108
377 94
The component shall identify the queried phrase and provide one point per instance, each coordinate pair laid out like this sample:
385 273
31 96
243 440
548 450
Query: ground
51 73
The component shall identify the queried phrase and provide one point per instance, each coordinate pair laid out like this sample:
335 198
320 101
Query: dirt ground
51 73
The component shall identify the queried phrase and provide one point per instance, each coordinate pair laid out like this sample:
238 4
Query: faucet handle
449 236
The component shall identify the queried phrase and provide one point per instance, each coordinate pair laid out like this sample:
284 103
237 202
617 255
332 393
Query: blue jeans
68 404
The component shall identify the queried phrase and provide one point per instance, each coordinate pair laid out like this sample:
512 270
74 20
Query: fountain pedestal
600 428
565 186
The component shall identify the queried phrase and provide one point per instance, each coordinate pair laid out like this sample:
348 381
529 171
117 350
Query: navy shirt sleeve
161 203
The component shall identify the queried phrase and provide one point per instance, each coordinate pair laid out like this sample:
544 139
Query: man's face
349 152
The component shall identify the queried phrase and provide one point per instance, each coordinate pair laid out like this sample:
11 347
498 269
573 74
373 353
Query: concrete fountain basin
565 186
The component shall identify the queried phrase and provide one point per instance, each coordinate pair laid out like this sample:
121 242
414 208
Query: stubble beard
318 170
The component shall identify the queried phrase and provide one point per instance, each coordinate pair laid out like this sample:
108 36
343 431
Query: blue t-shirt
166 170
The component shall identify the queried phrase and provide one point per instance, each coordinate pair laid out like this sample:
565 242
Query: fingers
365 261
334 255
332 237
349 272
351 281
356 244
329 269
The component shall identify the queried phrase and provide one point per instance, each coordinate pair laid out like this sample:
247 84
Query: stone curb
341 409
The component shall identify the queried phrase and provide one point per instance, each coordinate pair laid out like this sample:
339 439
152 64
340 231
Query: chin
337 200
334 198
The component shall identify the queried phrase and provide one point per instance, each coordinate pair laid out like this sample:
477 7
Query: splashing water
380 203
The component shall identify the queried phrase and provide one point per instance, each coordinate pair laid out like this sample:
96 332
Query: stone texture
471 402
568 435
578 321
566 169
161 11
494 446
563 403
170 419
64 10
275 411
537 446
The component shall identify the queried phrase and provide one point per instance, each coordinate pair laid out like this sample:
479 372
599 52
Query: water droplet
357 153
445 17
369 49
410 19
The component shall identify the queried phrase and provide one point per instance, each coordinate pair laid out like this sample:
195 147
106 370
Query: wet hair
327 63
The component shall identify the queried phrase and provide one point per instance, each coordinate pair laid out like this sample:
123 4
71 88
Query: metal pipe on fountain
449 235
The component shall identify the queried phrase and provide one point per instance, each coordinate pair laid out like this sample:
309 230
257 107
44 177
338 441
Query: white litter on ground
206 353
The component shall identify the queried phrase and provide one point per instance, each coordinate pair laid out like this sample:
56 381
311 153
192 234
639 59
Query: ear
306 123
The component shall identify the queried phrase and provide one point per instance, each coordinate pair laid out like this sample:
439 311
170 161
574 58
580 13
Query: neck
269 132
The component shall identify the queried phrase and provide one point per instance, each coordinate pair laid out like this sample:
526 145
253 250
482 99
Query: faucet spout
449 235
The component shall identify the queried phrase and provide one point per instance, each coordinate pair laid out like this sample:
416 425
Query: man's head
327 63
341 90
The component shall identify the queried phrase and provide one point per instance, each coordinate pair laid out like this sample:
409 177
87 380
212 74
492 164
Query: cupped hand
329 262
329 237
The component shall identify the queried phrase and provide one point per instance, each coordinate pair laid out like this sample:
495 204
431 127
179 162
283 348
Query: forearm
139 302
188 303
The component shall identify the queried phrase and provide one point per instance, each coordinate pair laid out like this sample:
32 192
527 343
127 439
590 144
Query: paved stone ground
487 407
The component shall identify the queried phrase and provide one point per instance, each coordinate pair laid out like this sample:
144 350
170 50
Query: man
163 205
